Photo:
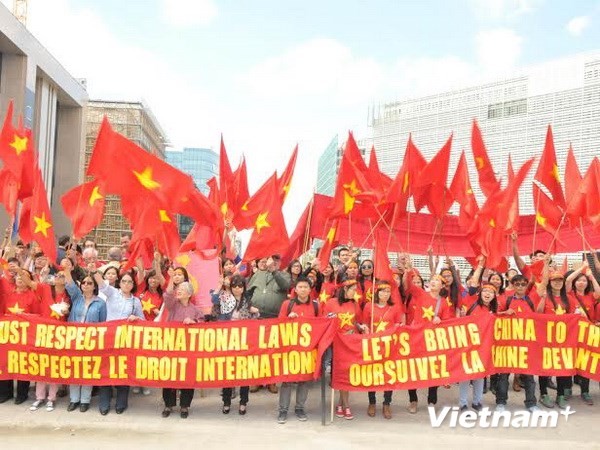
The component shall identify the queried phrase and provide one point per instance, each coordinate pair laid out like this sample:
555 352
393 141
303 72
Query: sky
268 74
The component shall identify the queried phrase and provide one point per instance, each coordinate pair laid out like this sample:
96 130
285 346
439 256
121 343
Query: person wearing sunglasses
86 307
518 304
120 304
365 281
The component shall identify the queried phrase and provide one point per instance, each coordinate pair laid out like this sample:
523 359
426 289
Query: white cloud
185 13
504 9
577 25
498 50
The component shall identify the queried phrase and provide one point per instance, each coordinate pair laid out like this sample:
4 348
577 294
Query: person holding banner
348 314
584 291
553 300
241 309
384 314
18 296
120 304
486 303
518 304
427 308
299 306
181 309
86 307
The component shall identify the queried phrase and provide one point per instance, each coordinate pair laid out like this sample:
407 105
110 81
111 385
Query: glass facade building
201 164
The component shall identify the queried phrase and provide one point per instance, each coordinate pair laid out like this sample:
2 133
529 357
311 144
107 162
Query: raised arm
515 249
475 280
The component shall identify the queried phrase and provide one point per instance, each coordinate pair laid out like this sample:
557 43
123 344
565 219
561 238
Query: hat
556 275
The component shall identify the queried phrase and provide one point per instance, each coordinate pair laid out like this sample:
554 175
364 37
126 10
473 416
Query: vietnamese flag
285 181
241 193
270 235
331 241
403 186
576 199
18 154
9 192
463 193
381 180
84 206
128 170
382 269
547 171
485 172
547 214
36 220
432 180
513 210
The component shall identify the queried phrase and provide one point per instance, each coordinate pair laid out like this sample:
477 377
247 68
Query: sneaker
500 408
301 415
477 406
533 408
36 405
561 401
464 408
50 406
282 417
547 401
135 390
146 391
568 394
348 414
587 398
339 411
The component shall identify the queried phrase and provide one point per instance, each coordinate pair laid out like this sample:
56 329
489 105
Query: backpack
295 301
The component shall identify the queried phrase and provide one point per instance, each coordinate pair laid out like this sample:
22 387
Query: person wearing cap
518 304
554 300
486 303
384 314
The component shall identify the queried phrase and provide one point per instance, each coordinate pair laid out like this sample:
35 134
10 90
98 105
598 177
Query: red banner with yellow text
221 354
467 348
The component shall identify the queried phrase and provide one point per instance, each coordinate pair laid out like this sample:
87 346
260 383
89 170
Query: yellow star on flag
492 223
555 173
346 319
245 206
405 183
381 326
261 222
427 312
559 310
15 309
469 191
286 190
145 179
479 162
95 195
164 217
19 144
350 191
540 219
225 208
324 296
331 234
147 306
41 225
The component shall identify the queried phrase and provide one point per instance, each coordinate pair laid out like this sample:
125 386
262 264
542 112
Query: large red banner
208 355
466 348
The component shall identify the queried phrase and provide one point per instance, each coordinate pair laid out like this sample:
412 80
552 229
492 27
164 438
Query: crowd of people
78 287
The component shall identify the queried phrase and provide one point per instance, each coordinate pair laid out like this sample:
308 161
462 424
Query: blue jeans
106 393
464 392
80 394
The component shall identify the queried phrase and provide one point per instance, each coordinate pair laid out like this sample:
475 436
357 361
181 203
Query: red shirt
384 317
519 304
13 302
554 305
302 309
424 307
589 305
150 301
47 301
348 314
478 310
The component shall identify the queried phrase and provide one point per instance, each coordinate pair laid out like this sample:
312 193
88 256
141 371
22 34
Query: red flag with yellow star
159 226
250 210
133 173
18 154
381 262
285 181
485 172
576 198
547 171
463 193
35 222
547 214
9 192
403 186
84 206
331 241
269 235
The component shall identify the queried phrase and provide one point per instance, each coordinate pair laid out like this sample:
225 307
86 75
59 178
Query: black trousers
244 390
7 389
170 397
431 395
387 397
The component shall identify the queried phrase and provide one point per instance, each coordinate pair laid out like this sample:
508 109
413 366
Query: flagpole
307 229
537 205
373 277
555 237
